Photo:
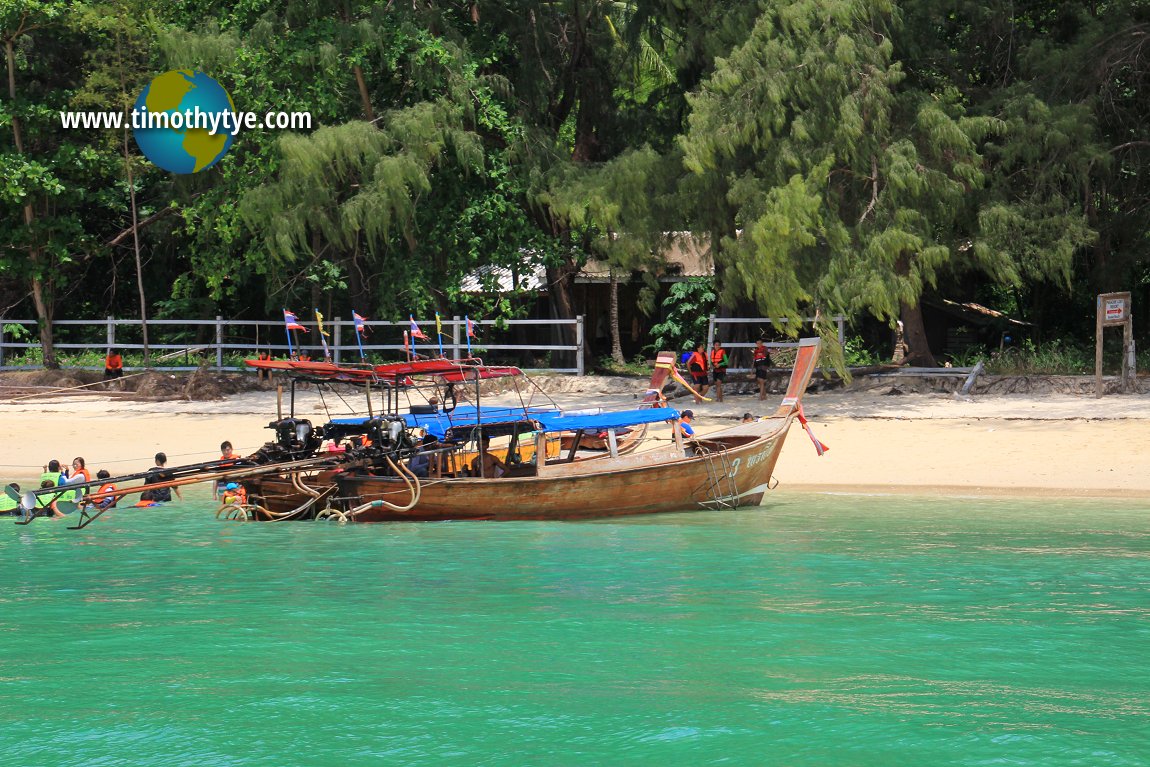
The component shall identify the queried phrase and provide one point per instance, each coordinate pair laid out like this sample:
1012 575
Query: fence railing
224 341
715 322
221 340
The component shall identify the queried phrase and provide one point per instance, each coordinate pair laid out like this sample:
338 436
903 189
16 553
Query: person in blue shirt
685 419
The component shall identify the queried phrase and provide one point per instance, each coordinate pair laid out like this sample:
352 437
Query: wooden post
1 342
579 343
111 333
219 342
1098 348
336 340
1113 309
966 387
455 337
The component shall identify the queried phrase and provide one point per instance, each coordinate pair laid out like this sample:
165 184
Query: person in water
105 497
9 505
156 475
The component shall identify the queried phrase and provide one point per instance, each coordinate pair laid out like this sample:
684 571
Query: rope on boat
413 485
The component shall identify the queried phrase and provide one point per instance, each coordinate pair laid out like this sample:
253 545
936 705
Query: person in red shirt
697 367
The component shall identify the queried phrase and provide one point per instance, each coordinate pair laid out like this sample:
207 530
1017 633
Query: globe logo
174 117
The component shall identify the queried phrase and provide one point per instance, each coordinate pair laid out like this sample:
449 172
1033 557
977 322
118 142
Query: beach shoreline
916 444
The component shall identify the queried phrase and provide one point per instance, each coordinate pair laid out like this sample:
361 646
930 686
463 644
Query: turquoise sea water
819 630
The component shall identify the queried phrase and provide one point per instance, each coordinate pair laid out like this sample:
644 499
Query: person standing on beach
761 362
697 367
720 361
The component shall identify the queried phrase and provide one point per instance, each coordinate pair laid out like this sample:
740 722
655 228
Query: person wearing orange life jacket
234 493
105 497
697 367
720 361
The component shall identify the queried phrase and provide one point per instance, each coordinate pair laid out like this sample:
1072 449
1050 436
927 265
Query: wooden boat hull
730 469
737 476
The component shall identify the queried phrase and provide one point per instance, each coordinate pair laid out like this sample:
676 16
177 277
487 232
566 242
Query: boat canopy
437 424
613 419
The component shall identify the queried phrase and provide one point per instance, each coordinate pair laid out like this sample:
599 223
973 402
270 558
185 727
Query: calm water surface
816 631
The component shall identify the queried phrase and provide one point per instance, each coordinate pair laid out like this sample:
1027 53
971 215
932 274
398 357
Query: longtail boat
728 469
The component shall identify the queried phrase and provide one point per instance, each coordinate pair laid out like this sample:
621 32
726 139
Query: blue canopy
615 419
437 424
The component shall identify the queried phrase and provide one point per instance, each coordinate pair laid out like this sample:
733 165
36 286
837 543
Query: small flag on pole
360 332
323 334
292 322
471 329
416 333
439 333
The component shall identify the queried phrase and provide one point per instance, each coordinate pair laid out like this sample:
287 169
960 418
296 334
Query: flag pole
467 332
360 329
287 332
322 335
439 334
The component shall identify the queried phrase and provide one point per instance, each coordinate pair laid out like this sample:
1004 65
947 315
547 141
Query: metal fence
715 322
183 344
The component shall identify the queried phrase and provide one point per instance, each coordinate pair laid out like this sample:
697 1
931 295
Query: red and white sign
1115 310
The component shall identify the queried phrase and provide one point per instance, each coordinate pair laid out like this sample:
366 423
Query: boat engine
295 439
388 433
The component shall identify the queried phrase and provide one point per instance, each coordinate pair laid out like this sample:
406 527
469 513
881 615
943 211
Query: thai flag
359 326
415 331
471 329
292 322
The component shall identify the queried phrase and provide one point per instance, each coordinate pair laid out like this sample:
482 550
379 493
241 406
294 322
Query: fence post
842 331
219 342
336 341
579 343
455 337
1 342
111 332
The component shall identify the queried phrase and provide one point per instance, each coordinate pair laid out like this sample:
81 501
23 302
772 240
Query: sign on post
1114 310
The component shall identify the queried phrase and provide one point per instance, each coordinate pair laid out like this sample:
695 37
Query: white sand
1054 445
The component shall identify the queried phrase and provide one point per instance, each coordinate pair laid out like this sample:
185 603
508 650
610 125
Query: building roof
685 256
501 279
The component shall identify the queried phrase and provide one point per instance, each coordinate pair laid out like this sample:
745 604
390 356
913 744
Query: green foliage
1054 358
689 306
855 353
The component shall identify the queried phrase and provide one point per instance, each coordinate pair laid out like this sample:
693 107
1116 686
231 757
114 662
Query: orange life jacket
697 363
717 356
105 491
114 362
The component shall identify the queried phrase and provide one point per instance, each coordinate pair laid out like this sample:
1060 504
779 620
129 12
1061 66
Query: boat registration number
752 461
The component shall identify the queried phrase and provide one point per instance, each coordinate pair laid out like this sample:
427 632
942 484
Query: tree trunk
364 97
41 298
918 349
559 288
136 249
616 343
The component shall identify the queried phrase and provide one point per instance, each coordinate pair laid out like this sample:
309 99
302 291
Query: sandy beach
1054 445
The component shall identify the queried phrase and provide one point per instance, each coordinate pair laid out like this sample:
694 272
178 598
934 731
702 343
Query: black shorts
109 373
719 375
761 372
699 379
